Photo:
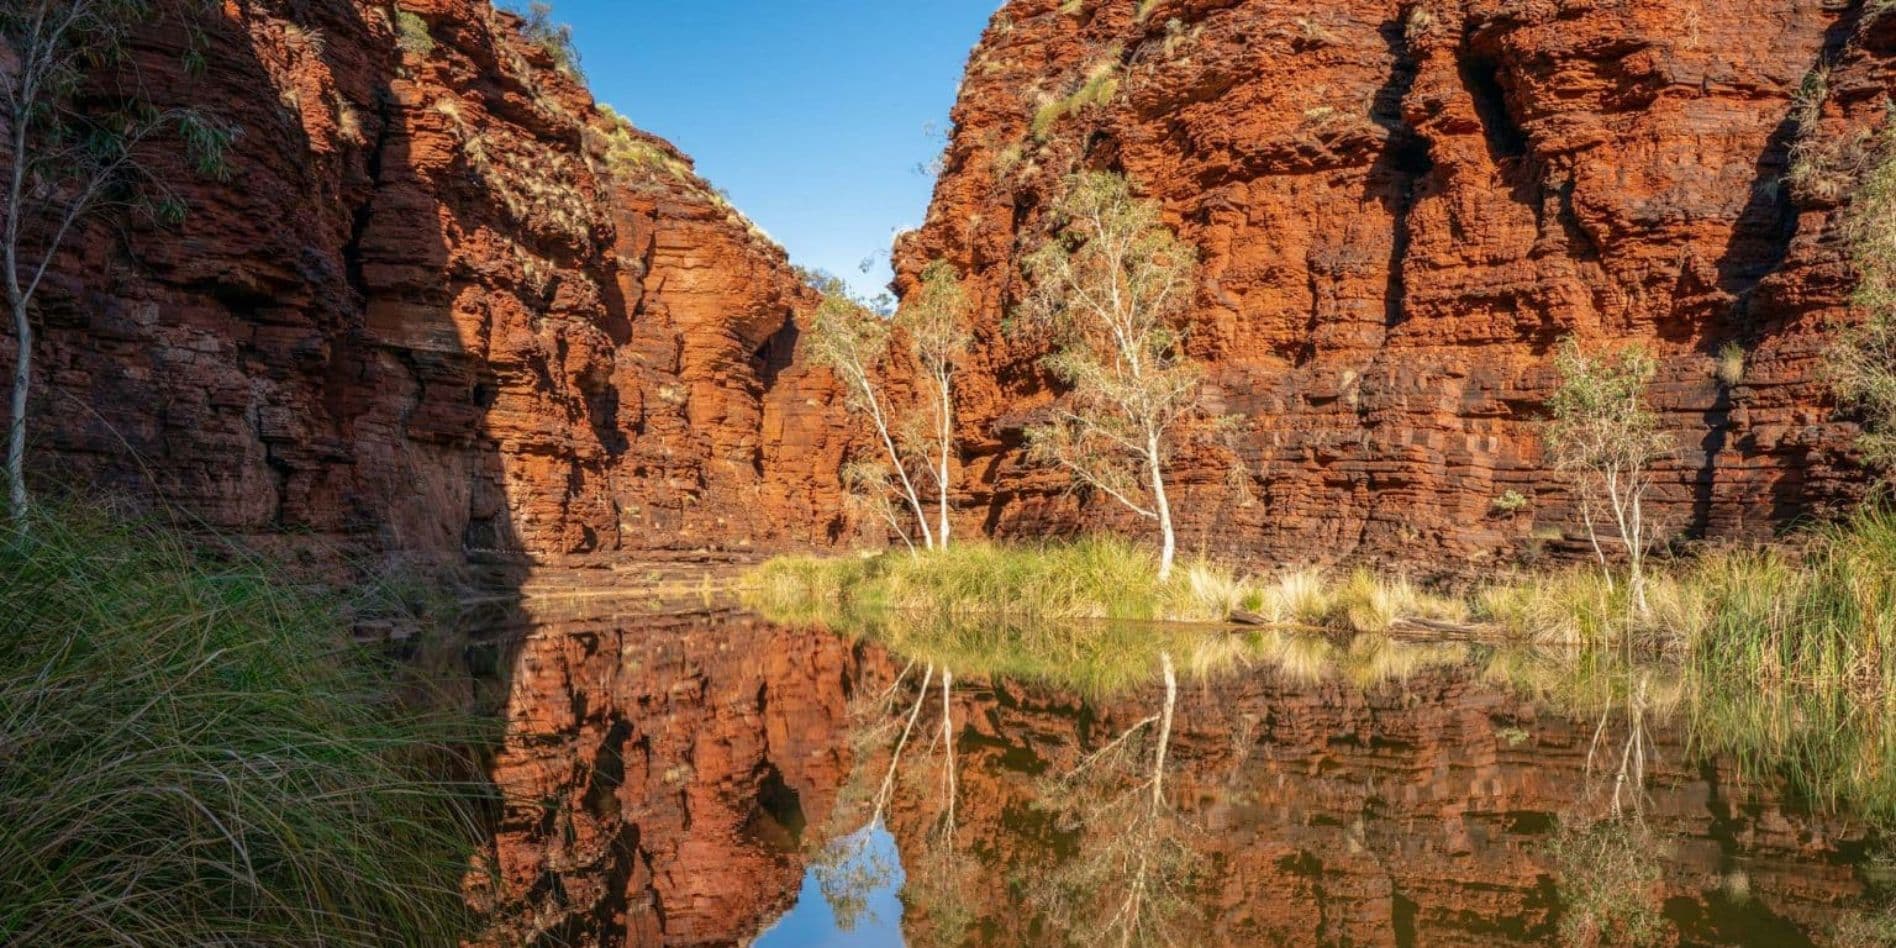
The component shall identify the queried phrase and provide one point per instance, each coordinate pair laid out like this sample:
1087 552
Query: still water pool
707 777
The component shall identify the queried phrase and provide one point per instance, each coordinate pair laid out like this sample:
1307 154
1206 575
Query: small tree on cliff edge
1110 286
1606 438
65 159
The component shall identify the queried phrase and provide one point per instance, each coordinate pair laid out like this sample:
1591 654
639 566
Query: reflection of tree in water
1606 858
1132 876
848 868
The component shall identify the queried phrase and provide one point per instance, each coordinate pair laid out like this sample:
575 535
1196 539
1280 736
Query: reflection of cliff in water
658 775
672 784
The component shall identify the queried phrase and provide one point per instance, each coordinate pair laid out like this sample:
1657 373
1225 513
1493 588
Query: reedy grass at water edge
1782 658
1827 614
192 752
1095 577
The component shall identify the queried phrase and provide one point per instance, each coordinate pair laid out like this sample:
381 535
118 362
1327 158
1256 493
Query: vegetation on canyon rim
193 752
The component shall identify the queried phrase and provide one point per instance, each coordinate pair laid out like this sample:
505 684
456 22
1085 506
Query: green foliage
1606 439
196 755
630 154
1609 876
1511 501
94 155
412 34
849 339
1731 364
1099 86
1094 577
555 39
934 316
1109 289
1600 416
1823 168
1861 366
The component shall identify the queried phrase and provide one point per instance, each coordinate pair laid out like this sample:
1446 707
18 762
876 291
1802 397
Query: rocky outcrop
443 302
1401 206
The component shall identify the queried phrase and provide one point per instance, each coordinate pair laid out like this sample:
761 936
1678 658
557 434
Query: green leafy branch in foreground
192 752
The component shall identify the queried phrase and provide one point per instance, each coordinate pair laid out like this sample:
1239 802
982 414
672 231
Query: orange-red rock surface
1402 205
430 311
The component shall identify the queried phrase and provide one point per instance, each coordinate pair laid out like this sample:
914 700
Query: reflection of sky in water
813 920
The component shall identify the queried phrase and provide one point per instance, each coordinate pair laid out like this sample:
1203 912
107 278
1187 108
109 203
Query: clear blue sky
812 114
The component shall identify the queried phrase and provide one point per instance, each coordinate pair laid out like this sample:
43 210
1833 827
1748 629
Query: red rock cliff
1402 205
444 302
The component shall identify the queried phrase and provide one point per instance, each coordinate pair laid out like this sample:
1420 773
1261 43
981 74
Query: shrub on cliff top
555 39
191 752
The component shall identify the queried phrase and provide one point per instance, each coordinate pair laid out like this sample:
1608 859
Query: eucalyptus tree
1110 287
858 343
68 158
852 341
933 321
1606 438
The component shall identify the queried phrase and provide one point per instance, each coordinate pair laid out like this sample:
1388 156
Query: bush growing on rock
1861 367
1606 438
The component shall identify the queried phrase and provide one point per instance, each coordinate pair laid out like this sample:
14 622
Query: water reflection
704 778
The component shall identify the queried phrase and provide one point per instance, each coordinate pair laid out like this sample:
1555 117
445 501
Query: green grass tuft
192 752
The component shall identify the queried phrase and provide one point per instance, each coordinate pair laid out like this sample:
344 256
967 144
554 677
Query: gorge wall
444 302
1401 206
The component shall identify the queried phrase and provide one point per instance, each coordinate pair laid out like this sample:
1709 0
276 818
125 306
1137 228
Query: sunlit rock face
1401 207
659 776
431 310
671 779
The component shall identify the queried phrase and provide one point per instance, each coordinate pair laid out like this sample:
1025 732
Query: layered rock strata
443 302
1402 206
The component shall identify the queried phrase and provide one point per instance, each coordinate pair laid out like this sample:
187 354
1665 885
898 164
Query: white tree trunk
1162 508
18 299
1165 731
895 457
948 752
16 423
947 439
